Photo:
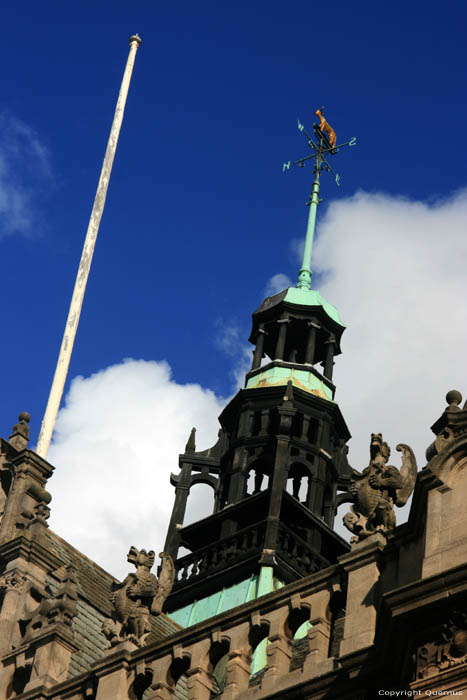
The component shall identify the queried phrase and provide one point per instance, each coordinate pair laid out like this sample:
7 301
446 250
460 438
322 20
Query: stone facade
321 618
54 600
389 615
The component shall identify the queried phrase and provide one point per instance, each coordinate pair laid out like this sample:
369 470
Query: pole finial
135 38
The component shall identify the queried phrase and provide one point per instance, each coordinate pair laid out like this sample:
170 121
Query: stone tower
276 467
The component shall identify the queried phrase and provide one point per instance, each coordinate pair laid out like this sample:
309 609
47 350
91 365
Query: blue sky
199 215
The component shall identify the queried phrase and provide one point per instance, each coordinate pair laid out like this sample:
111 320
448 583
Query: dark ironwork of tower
279 461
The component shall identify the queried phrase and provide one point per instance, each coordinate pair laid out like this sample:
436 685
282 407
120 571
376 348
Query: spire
191 444
326 145
304 274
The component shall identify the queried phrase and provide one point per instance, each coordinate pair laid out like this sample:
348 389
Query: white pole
58 384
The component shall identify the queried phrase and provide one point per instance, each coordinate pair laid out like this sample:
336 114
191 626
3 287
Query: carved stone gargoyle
377 489
59 609
137 597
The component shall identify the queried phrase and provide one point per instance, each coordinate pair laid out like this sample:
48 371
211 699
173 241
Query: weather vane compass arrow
325 145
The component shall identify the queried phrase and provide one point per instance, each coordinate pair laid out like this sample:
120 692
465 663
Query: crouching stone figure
378 488
137 597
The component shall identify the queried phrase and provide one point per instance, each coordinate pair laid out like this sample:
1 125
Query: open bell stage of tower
268 438
283 430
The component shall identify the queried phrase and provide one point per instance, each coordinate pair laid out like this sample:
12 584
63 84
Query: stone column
319 470
316 661
264 422
238 476
239 664
199 678
7 670
279 480
311 342
27 492
363 593
329 506
279 649
14 503
309 491
328 514
280 345
114 686
162 686
245 421
14 584
52 658
114 679
258 352
182 490
305 427
329 361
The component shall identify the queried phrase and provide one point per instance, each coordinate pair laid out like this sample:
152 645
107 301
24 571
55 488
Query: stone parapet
195 653
361 563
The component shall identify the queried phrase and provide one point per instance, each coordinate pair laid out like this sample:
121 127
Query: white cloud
276 284
24 168
117 441
396 271
233 341
230 340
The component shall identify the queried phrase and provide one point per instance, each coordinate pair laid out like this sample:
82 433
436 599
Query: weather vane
326 145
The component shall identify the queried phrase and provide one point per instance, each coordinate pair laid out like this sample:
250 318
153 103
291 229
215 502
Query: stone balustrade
214 659
244 543
191 657
209 559
299 553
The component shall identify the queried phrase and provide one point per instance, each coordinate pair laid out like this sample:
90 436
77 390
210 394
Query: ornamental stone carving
60 609
447 647
450 426
13 582
378 488
139 595
20 435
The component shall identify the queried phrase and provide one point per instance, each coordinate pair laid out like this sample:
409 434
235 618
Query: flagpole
58 384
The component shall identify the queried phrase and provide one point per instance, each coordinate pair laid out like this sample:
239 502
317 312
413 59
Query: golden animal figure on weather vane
325 127
324 146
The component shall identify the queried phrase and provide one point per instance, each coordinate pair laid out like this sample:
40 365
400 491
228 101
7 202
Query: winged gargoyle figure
139 595
377 489
326 128
164 583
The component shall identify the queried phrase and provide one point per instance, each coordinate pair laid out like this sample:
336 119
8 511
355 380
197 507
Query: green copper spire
326 138
304 275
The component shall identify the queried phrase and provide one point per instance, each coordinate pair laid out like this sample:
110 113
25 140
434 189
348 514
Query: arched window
200 503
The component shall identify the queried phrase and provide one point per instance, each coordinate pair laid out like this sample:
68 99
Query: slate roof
94 589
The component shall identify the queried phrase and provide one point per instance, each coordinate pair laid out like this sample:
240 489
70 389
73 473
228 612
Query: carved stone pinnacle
453 398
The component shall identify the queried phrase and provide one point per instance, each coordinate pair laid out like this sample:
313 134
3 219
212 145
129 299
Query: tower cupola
297 332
